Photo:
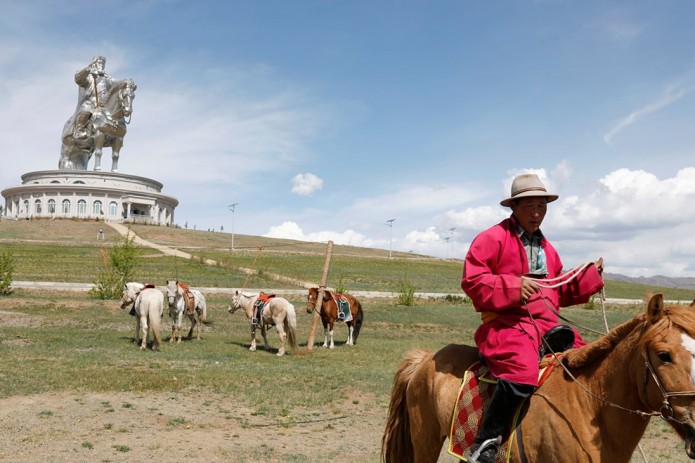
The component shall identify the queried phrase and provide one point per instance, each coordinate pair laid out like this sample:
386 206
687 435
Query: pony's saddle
188 299
478 386
343 304
261 301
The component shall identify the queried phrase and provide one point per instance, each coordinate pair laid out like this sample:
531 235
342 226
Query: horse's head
126 95
172 291
668 351
237 302
130 292
311 299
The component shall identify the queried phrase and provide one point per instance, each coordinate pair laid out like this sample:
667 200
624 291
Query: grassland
59 346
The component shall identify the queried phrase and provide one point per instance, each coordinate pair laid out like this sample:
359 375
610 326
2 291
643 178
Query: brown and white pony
330 314
595 410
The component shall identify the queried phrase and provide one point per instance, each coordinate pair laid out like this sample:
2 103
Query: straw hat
527 185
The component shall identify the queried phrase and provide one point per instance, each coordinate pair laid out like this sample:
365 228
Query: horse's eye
664 357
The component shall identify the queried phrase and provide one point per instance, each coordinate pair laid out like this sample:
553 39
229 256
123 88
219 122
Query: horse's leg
350 330
145 328
115 152
137 329
193 323
253 338
264 333
98 148
325 333
330 334
281 333
179 325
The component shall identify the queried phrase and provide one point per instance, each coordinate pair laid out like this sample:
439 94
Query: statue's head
98 64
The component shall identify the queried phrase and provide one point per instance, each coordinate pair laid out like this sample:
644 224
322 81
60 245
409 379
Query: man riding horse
94 84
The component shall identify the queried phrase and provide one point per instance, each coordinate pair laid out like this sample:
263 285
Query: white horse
277 311
195 309
148 303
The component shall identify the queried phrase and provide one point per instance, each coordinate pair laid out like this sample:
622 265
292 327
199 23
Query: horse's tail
396 445
357 324
202 309
291 326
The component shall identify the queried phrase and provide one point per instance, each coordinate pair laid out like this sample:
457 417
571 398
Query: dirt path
74 428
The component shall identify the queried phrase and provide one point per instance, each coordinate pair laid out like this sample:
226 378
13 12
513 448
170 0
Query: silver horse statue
103 113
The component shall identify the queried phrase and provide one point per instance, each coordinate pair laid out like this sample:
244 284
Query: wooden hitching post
319 298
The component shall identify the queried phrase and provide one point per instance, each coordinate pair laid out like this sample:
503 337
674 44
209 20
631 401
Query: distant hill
657 280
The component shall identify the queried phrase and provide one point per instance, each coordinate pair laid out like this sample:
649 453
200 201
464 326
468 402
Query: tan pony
275 311
594 411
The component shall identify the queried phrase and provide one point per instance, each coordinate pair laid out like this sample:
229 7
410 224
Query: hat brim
528 194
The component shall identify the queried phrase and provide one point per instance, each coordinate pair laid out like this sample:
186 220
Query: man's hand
528 289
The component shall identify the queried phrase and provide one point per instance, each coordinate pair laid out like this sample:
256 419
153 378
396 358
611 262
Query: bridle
666 410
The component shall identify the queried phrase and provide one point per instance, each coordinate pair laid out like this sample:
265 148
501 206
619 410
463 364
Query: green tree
6 271
119 268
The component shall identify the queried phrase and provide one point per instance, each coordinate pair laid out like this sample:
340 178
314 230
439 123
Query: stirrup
472 456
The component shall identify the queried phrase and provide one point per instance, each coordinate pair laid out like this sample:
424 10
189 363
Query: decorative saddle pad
261 301
344 314
188 299
472 403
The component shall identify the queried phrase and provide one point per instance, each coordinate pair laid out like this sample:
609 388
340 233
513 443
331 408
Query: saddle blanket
473 401
344 314
261 301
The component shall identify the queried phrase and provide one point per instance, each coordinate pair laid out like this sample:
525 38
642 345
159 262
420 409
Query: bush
6 271
118 270
406 293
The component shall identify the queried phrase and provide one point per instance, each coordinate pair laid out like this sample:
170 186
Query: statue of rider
94 85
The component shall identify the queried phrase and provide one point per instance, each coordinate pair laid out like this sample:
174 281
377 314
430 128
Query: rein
666 411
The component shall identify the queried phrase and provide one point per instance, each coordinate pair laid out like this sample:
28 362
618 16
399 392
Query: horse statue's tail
396 445
357 324
291 326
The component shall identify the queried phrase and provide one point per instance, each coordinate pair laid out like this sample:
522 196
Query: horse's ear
655 308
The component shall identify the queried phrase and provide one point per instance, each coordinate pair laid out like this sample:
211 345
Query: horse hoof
252 349
281 353
331 346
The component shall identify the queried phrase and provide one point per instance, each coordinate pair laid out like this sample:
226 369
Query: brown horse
330 314
595 409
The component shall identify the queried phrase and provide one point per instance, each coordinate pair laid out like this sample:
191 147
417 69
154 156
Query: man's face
530 212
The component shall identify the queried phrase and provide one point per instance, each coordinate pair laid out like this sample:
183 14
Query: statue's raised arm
103 104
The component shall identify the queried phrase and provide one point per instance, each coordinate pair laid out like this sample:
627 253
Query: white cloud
306 184
670 95
290 230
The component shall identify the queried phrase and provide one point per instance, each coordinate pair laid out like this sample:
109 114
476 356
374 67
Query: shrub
406 293
6 272
118 270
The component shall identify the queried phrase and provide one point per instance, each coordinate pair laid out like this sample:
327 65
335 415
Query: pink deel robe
509 339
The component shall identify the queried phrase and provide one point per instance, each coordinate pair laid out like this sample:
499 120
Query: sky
324 120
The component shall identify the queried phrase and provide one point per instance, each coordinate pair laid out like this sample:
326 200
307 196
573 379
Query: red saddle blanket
472 403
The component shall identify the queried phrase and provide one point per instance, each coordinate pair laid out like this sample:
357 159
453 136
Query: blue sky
325 119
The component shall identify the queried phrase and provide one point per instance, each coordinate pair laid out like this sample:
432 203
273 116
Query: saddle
343 304
261 301
188 299
473 399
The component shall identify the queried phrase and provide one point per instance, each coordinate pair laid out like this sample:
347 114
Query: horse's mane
598 349
118 85
676 315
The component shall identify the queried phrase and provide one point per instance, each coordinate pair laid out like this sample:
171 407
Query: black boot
498 417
